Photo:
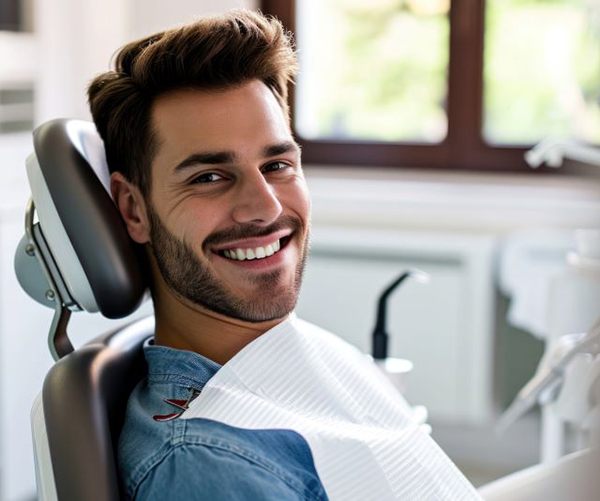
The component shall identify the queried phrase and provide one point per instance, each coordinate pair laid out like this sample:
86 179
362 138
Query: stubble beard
184 272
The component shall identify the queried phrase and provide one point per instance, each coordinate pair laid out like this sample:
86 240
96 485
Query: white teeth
249 254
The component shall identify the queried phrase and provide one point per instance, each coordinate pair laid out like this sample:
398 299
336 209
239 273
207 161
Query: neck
186 326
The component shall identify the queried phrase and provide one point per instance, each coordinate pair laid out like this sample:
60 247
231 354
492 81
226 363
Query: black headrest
88 251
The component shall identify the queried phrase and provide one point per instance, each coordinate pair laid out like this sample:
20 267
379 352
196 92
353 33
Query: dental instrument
552 152
380 336
544 387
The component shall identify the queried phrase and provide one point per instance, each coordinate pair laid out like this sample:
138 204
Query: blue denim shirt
163 458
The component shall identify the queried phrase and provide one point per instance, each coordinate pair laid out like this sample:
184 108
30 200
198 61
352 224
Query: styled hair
212 53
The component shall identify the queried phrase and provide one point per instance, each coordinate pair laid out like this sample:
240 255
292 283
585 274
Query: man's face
228 207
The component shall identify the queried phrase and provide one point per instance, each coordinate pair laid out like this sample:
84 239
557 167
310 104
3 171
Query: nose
256 201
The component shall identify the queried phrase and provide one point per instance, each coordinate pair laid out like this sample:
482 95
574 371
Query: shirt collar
165 363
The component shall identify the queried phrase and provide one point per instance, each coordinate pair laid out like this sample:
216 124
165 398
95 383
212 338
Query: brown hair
211 53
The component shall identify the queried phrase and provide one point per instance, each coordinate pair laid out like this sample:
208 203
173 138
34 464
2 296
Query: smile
247 254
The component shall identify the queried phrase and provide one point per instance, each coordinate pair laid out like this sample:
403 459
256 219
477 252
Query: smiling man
242 399
226 215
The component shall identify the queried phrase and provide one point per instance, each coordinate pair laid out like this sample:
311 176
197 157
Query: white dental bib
364 442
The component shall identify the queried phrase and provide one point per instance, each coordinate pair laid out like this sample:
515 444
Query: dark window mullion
465 84
286 13
468 149
10 15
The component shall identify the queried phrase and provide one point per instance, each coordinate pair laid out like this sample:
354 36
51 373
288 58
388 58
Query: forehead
242 119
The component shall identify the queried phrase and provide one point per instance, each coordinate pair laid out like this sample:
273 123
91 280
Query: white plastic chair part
60 245
553 150
575 477
44 474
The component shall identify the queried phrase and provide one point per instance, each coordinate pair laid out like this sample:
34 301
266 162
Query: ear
132 206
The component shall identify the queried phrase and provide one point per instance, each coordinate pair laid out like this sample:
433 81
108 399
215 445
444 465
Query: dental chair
77 256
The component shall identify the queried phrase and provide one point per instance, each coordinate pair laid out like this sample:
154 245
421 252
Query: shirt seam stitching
257 461
176 442
175 378
146 467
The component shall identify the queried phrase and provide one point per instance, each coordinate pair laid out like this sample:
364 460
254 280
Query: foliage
385 65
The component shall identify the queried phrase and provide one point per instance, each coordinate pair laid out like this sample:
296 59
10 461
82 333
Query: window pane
372 69
16 15
542 70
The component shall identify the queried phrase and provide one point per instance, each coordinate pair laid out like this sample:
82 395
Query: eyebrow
279 149
228 157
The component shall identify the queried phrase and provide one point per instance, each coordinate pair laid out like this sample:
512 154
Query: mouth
241 253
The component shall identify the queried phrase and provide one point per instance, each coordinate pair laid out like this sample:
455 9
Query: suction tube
380 335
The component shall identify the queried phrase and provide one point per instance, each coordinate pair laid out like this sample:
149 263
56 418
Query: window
10 15
17 71
458 84
542 71
381 63
16 15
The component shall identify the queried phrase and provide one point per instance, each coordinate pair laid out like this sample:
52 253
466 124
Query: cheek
192 225
297 199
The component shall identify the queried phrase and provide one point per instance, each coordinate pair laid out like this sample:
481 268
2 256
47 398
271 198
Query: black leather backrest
84 398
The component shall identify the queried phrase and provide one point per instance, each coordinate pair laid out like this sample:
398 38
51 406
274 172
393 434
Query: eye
275 166
207 178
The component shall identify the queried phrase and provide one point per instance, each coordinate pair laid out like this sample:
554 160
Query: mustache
251 231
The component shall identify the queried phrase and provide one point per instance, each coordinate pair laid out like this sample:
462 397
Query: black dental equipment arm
380 335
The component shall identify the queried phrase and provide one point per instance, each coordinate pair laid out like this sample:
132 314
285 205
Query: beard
190 278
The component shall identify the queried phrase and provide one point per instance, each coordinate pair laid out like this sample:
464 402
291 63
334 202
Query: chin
278 305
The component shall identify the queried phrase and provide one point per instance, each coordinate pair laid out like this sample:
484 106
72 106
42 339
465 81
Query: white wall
151 15
77 38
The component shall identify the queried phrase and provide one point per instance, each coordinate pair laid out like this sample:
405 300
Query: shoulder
214 461
157 450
